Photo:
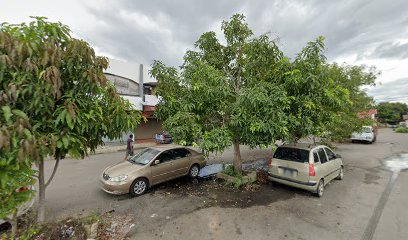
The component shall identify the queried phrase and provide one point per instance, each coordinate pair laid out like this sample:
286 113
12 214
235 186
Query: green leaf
6 113
65 141
69 121
19 113
59 144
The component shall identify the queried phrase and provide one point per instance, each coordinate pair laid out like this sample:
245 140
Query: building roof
129 70
368 113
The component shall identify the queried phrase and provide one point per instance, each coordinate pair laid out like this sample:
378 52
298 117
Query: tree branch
53 172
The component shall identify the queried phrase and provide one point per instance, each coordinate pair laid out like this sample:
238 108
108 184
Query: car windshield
144 157
292 154
366 130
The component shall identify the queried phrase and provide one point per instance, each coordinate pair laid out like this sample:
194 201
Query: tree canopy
248 92
391 112
55 101
225 94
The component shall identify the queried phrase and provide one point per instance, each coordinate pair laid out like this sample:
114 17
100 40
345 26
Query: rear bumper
309 186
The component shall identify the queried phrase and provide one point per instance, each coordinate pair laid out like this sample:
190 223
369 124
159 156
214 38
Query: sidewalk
110 148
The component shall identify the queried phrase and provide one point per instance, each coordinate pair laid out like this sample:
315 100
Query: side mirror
338 155
156 162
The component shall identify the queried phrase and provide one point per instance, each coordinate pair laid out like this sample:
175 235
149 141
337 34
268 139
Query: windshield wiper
132 161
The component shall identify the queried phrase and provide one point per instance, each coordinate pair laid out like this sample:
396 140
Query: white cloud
371 32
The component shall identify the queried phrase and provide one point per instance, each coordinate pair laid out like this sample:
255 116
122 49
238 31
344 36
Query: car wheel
353 141
341 173
194 171
320 188
138 187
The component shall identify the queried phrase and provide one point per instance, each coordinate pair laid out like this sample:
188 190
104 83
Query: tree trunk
237 157
43 186
13 223
41 195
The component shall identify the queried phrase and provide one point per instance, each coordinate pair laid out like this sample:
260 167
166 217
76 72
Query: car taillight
270 163
22 189
312 172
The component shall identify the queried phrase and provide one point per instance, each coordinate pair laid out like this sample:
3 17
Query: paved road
75 186
354 208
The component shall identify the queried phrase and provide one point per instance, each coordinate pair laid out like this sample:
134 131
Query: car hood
122 168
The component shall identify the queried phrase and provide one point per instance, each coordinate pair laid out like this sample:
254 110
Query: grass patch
230 170
401 130
70 228
90 219
239 179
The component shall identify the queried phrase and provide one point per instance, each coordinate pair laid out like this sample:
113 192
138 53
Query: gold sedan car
149 167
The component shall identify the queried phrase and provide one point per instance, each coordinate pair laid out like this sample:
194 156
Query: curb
120 148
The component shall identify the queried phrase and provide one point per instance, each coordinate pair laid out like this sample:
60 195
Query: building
133 83
372 114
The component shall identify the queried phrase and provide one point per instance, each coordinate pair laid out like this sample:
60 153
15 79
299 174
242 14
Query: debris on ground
103 227
262 176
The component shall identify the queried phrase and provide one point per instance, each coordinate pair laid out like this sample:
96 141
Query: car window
316 157
292 154
330 154
181 153
322 155
166 156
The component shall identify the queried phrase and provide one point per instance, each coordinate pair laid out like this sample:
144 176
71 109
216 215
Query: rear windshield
292 154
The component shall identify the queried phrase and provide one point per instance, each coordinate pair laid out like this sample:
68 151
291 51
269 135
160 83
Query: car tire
194 171
320 188
353 141
341 174
138 187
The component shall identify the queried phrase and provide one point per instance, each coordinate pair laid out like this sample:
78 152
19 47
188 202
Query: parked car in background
23 208
306 166
163 138
367 134
149 167
403 124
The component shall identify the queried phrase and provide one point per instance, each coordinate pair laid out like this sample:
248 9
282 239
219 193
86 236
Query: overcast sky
371 32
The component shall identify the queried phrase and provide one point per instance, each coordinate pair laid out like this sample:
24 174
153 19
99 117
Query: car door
325 165
334 163
182 161
319 168
165 168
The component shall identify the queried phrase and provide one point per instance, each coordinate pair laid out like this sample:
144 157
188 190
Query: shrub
401 130
230 170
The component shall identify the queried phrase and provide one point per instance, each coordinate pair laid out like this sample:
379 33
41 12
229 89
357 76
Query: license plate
287 172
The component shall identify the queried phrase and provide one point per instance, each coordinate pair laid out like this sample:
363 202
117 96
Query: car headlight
120 178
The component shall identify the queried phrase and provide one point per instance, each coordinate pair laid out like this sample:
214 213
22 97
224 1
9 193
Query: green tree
325 98
352 78
55 101
391 112
225 94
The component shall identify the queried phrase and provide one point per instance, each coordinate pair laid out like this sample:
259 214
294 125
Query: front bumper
115 188
362 139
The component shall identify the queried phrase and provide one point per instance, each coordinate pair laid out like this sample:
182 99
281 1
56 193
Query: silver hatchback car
306 166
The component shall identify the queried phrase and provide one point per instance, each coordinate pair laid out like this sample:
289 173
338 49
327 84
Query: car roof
164 147
305 146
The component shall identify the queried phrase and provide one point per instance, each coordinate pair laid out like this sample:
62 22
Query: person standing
129 146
